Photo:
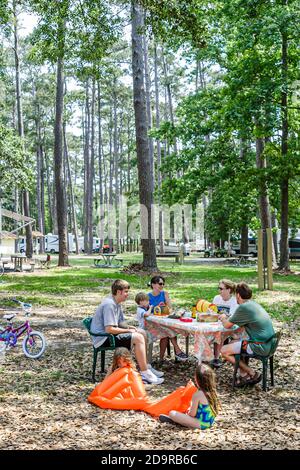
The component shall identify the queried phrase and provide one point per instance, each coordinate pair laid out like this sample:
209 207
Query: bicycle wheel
34 345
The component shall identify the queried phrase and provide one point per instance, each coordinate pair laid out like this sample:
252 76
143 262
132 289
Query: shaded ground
43 403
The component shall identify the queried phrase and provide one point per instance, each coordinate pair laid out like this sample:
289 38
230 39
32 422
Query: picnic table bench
108 260
3 262
242 260
170 255
32 265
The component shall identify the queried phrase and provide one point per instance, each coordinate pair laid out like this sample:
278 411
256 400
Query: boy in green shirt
258 326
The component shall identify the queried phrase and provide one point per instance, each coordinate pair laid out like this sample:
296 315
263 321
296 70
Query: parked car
252 246
218 253
172 247
294 248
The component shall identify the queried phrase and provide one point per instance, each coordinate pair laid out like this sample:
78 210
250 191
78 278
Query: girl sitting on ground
205 404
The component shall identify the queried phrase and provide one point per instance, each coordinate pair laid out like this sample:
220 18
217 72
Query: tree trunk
116 162
16 209
111 173
142 142
91 175
244 239
42 240
59 166
275 238
284 238
148 106
73 211
28 229
264 205
87 189
128 157
158 149
49 192
169 95
100 159
39 176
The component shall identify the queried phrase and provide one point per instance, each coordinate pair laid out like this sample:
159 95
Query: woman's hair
156 279
229 285
119 284
123 353
206 381
244 290
140 297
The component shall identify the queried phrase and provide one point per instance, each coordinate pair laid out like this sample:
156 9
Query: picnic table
3 262
107 260
243 259
205 333
18 259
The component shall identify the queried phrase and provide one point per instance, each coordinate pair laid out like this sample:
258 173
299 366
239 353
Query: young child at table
143 308
205 404
143 311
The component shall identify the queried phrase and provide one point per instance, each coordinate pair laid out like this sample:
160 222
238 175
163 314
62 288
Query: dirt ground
43 403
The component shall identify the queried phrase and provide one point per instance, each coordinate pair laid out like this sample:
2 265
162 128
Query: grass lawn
53 390
186 284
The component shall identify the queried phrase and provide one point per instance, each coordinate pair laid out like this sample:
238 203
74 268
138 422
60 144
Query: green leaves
177 22
81 32
15 168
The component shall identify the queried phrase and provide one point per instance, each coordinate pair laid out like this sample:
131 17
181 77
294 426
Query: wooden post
260 260
269 259
181 255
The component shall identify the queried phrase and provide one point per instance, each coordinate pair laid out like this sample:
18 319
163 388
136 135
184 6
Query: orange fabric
179 400
124 390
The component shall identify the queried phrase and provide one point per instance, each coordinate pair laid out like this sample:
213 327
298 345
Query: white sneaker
158 373
149 378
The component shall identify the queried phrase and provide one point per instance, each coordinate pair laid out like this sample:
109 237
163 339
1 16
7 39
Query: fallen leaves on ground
43 403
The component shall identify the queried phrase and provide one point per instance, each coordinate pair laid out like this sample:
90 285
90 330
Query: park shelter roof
23 219
15 216
5 234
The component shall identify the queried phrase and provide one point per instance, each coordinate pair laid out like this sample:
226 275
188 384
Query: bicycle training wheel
34 345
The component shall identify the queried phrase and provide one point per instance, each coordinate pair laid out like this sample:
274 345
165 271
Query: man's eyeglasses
161 283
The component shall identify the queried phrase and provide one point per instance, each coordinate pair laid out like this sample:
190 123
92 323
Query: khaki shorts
236 347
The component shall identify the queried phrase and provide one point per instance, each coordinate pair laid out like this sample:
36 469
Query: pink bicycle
34 342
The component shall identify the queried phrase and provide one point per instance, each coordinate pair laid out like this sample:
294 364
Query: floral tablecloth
205 333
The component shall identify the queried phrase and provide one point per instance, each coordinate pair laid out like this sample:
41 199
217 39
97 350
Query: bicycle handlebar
25 306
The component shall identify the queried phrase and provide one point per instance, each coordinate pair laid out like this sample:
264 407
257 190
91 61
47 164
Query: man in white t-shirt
109 318
226 303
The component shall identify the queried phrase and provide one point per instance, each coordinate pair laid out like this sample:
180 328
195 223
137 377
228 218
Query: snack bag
161 309
203 306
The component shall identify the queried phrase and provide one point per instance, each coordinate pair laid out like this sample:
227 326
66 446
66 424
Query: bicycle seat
9 316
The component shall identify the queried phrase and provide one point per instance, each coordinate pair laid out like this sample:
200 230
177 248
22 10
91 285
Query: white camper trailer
96 244
52 243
